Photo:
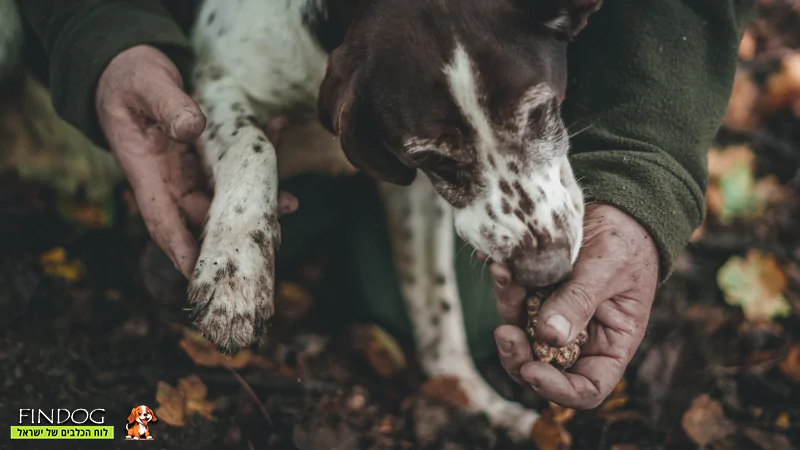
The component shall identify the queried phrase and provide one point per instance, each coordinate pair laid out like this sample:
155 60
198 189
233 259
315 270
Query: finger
568 310
513 350
588 383
287 203
510 296
165 102
195 206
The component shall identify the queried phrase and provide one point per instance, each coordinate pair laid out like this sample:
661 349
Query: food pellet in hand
563 358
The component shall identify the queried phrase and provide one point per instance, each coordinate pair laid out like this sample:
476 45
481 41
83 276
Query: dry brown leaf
383 353
292 301
782 88
189 397
747 46
617 398
790 366
171 405
193 387
705 421
445 389
204 353
561 415
739 115
547 434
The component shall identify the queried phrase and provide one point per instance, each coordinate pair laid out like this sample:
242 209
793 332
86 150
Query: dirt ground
90 317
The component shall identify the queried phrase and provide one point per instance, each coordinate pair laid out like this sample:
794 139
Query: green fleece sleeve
649 84
80 38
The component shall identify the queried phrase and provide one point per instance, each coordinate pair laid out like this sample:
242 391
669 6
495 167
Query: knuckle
581 299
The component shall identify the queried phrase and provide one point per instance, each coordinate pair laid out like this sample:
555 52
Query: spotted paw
232 286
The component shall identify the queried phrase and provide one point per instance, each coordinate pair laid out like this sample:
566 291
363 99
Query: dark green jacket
649 82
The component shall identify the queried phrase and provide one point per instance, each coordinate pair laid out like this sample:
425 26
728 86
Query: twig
250 391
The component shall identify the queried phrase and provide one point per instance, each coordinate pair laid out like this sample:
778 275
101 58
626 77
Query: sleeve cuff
656 191
88 44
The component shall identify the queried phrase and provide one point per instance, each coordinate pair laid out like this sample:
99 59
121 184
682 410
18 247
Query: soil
706 374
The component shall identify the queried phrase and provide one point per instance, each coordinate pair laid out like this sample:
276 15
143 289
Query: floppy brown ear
153 416
579 12
132 416
340 111
567 18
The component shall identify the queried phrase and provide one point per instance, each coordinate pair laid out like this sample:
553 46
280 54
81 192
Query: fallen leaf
445 389
624 447
705 421
756 284
739 115
782 88
767 440
747 46
292 301
790 366
782 421
547 434
204 353
193 387
54 262
561 415
617 398
383 353
90 216
172 405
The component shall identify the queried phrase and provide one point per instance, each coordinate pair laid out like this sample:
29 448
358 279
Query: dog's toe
232 288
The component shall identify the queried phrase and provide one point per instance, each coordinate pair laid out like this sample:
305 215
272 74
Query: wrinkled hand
611 289
150 124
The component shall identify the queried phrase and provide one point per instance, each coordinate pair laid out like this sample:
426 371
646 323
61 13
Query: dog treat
562 358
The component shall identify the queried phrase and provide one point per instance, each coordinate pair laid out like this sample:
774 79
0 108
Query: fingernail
501 282
560 324
505 346
185 124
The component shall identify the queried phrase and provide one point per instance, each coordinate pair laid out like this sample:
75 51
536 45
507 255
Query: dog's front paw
232 286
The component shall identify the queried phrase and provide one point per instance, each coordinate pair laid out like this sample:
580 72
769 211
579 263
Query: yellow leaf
193 387
383 352
54 263
756 284
204 353
783 421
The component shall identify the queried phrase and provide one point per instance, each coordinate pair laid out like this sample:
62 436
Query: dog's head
469 92
142 414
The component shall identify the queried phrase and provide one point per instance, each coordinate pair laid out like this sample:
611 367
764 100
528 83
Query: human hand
611 289
150 124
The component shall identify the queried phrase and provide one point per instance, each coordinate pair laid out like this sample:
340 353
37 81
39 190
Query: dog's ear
342 113
567 18
132 416
153 416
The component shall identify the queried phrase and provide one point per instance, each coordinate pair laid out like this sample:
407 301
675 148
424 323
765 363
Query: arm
80 38
651 81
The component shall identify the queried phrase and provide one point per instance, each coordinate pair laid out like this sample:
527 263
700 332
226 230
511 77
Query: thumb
178 115
570 308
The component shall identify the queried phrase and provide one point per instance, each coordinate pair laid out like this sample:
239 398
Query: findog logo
138 426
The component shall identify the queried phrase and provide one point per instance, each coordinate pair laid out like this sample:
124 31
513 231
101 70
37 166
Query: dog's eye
438 165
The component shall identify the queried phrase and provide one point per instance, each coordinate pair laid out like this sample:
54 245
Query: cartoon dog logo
138 421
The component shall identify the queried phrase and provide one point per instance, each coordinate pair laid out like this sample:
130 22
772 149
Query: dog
138 423
452 106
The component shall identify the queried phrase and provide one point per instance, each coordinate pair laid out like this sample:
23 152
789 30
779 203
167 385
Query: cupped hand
611 290
150 124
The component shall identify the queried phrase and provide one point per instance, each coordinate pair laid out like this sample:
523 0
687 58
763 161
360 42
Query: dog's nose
536 268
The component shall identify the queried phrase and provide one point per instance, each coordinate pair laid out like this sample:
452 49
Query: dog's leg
421 225
233 282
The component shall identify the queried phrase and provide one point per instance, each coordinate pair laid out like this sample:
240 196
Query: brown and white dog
466 91
138 423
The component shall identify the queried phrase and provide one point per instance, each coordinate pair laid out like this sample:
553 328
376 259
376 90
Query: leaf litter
719 367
